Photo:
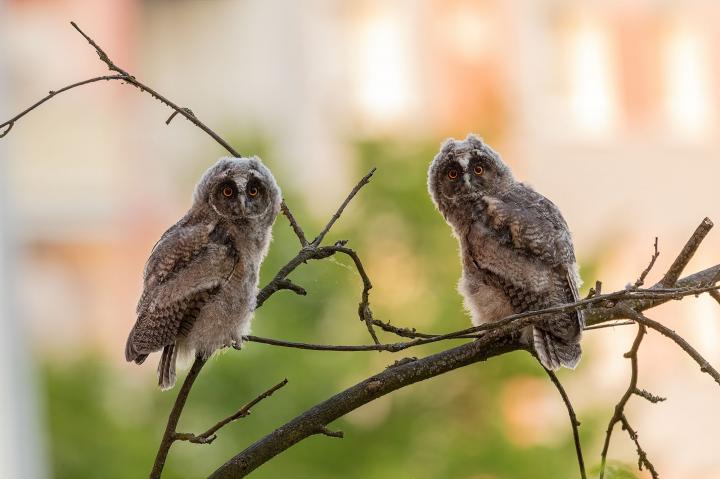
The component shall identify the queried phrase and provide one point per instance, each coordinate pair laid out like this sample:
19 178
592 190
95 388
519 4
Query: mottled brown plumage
516 249
201 278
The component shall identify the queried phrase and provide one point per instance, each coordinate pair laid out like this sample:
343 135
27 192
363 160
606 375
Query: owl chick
201 279
516 250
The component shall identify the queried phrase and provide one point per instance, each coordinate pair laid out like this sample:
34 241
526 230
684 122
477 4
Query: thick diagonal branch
318 417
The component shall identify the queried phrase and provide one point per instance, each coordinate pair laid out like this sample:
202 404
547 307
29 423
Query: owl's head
239 189
464 170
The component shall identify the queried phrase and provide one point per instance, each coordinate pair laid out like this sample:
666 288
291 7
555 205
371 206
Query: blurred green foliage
107 423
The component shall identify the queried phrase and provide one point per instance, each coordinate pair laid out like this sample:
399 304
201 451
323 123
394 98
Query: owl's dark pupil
478 170
452 174
227 192
253 191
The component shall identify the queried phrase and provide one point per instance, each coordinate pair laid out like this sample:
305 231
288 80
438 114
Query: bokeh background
610 108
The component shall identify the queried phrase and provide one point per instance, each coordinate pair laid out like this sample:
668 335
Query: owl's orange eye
227 192
452 174
479 170
253 191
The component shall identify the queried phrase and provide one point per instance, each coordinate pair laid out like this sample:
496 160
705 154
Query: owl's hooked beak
241 201
241 181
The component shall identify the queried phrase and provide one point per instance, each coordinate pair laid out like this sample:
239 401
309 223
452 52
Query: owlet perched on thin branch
201 278
516 249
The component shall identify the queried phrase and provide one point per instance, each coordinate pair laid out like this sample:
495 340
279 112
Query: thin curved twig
169 434
294 225
705 366
187 113
309 251
11 122
619 412
389 347
641 280
364 312
574 423
643 460
519 320
364 181
210 435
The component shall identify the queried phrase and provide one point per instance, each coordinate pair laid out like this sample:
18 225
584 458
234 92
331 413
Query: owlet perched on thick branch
201 278
516 249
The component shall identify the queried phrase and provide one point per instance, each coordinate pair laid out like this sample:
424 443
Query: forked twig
210 435
619 413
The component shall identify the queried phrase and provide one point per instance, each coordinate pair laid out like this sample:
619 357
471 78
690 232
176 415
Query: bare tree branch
643 460
313 251
128 78
411 333
289 285
294 225
686 254
574 423
498 338
327 432
648 396
364 181
608 325
364 311
517 320
210 435
641 280
174 114
619 413
705 366
389 347
313 420
715 295
169 435
11 122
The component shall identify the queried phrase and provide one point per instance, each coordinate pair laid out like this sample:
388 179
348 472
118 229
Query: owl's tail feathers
166 367
131 354
553 352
